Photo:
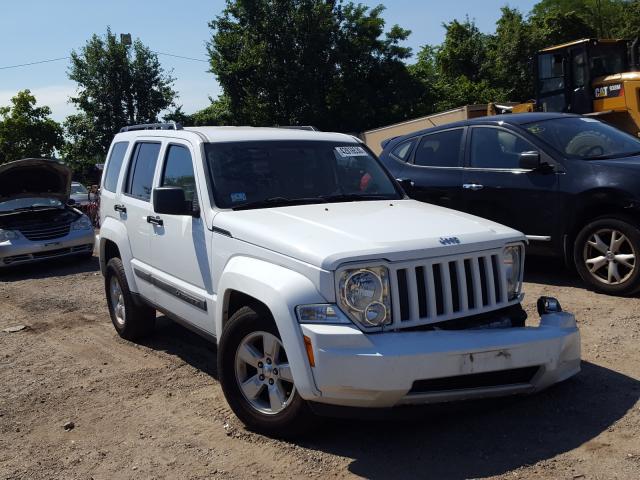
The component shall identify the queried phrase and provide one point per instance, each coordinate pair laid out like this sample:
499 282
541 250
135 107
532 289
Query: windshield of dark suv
585 138
277 173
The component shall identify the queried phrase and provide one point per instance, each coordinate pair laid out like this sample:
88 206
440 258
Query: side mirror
171 201
71 202
531 160
406 184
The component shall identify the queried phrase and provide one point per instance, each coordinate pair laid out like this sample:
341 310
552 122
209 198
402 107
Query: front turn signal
309 347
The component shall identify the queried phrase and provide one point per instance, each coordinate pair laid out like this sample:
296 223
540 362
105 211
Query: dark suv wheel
606 255
256 378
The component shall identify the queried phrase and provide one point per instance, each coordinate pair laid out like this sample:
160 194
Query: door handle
155 220
472 186
120 208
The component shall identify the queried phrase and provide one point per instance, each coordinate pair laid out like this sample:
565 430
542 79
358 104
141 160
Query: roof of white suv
246 134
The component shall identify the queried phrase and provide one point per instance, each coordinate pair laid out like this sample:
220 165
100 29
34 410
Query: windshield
585 138
273 173
78 188
28 203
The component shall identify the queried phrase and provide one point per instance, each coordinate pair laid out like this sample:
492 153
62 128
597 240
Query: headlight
8 235
83 223
364 295
512 264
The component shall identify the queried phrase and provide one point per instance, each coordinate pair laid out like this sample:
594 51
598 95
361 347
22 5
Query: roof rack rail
152 126
299 127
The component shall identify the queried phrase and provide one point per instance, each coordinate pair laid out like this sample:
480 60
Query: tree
26 130
329 64
118 85
463 52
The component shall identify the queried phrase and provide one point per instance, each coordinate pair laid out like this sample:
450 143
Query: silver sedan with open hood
36 223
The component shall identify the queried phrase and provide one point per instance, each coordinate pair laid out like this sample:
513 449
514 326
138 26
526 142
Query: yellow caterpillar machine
595 77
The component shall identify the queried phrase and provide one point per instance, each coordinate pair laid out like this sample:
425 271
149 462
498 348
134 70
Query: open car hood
35 177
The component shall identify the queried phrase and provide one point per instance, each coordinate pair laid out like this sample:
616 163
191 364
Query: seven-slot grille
45 231
430 291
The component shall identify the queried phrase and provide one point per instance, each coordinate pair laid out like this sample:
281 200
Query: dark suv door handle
120 208
155 220
472 186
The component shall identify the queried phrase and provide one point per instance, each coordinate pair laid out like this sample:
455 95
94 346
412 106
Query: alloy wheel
609 256
117 301
263 373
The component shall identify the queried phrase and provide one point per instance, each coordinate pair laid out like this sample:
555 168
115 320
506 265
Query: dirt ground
155 410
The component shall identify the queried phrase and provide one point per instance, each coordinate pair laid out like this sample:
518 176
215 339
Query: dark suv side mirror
532 161
406 183
171 201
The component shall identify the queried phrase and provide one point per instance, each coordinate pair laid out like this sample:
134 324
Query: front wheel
256 378
606 255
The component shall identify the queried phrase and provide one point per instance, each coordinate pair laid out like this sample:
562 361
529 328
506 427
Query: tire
131 320
252 326
613 271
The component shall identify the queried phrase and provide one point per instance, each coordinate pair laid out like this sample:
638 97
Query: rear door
436 168
495 187
181 267
136 200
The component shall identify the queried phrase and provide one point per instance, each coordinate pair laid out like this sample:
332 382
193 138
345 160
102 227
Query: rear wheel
131 320
256 378
606 255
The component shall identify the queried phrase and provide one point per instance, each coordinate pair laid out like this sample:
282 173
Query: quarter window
441 149
114 165
141 170
403 150
178 171
497 148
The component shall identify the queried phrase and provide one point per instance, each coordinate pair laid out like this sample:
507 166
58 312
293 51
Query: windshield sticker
351 151
238 197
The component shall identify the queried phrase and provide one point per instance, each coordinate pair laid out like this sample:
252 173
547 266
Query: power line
66 58
34 63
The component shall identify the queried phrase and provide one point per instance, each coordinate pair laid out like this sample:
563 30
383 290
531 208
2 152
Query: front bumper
22 250
384 370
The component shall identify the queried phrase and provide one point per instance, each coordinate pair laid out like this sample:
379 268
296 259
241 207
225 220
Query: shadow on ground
59 267
462 440
550 271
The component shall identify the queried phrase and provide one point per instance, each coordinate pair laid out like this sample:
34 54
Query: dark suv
568 182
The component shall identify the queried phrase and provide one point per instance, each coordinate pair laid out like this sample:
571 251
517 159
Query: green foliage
329 64
26 130
118 85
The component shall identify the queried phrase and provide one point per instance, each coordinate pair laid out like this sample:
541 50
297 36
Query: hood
624 162
328 234
35 177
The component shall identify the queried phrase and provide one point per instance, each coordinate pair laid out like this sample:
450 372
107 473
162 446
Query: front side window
178 171
141 170
585 138
114 165
440 149
277 173
497 148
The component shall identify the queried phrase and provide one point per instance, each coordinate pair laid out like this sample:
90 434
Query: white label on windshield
590 120
351 151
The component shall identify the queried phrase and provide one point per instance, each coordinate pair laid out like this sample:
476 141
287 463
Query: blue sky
32 30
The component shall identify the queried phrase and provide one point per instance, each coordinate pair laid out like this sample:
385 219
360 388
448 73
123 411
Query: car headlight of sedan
83 223
363 294
6 235
512 260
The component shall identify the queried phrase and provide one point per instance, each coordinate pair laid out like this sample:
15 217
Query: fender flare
116 232
281 290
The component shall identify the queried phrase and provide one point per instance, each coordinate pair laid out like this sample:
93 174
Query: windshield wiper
34 207
279 202
354 197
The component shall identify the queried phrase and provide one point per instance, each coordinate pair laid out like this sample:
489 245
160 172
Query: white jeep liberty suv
320 281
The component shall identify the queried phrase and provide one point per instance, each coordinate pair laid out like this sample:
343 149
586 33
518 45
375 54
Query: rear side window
141 170
441 149
403 150
178 171
114 165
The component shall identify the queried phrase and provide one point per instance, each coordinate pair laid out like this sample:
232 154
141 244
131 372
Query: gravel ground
155 410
